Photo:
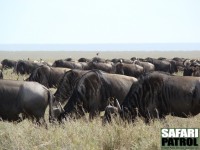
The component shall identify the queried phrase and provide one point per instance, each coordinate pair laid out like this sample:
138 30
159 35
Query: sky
99 21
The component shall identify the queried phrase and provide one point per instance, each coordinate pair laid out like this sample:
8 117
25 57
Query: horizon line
103 47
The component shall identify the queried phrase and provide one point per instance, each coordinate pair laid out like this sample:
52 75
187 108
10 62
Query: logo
180 138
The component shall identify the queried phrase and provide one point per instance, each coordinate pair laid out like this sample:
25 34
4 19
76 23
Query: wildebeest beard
78 103
145 91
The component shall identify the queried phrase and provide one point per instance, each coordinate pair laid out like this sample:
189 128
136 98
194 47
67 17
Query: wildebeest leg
16 119
20 117
41 122
147 120
107 116
93 114
37 117
164 121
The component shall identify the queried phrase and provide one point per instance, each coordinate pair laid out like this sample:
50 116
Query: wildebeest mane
34 75
145 91
63 86
76 99
145 74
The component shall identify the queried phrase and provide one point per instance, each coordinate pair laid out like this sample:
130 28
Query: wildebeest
84 60
1 74
106 67
29 99
98 60
188 71
64 91
148 67
68 59
129 69
26 67
66 85
156 95
47 76
67 64
91 93
163 65
192 71
187 62
6 63
127 61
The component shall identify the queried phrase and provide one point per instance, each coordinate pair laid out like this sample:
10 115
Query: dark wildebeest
91 93
179 63
122 60
187 62
107 67
162 58
129 69
65 89
6 63
66 85
188 71
148 67
192 71
84 60
158 94
67 64
29 99
98 60
163 65
1 74
68 59
26 67
47 76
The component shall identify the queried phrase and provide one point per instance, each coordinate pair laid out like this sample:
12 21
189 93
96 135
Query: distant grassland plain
52 55
83 134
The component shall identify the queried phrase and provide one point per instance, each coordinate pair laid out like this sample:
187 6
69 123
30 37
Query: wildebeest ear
116 104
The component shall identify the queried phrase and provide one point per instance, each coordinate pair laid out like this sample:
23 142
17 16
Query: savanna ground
84 134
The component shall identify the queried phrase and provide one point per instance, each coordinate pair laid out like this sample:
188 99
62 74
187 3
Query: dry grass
83 134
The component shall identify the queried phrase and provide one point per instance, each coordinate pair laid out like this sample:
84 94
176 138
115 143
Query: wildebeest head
174 68
8 63
64 90
20 67
26 67
55 109
119 68
41 75
188 71
57 63
113 109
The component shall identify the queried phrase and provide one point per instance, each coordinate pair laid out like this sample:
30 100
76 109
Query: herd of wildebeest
128 88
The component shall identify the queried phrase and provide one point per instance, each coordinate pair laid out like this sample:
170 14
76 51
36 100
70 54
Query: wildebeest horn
61 107
116 103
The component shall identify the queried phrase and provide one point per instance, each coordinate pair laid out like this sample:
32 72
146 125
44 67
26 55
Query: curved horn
117 104
61 107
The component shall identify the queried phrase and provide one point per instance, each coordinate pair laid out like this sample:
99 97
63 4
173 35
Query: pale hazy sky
99 21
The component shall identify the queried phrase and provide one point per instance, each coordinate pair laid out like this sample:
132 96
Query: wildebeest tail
50 101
